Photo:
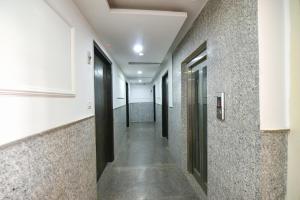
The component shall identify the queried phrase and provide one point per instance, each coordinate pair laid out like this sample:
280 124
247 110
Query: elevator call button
221 106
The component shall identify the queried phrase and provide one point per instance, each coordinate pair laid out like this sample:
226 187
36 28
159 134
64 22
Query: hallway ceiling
158 25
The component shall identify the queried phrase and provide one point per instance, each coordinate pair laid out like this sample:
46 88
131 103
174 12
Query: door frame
187 66
109 135
165 106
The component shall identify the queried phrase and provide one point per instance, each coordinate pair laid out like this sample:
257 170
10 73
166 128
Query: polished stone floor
144 170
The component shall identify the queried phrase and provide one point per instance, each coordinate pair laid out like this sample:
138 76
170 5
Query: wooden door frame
165 122
109 136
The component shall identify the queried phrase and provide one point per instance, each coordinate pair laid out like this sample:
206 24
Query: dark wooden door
165 106
109 142
103 111
154 104
127 105
199 125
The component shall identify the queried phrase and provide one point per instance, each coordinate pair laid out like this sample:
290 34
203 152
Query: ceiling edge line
147 12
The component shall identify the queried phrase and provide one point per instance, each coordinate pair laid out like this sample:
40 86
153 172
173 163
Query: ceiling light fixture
140 81
138 48
139 72
141 54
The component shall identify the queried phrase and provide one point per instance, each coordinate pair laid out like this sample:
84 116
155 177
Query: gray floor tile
144 170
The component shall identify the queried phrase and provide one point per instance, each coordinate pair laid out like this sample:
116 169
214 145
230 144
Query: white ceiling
155 24
191 7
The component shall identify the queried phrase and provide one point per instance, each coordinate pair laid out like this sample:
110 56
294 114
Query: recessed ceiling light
138 48
141 54
140 81
139 72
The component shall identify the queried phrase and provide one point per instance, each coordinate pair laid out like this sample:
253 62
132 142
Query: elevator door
199 121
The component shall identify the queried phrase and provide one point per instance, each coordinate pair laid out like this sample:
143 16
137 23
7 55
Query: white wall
279 31
293 180
25 28
140 93
119 88
273 62
25 115
167 66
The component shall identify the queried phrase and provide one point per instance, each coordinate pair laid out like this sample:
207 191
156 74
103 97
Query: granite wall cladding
58 164
176 139
274 165
141 112
158 123
174 142
120 129
230 29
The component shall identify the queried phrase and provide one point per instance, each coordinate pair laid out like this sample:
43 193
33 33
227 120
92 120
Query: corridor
144 170
149 99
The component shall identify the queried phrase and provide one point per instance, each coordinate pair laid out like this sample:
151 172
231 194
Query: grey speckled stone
230 29
274 165
174 142
120 129
158 123
59 164
141 112
175 135
14 172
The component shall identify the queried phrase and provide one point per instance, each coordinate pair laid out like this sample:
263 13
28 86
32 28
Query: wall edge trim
280 131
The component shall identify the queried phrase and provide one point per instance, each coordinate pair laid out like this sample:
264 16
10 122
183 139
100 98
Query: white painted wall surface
293 180
140 93
22 116
273 64
27 36
167 66
119 88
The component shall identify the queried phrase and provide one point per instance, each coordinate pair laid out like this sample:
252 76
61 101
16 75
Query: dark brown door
154 104
109 146
103 110
127 105
199 125
165 106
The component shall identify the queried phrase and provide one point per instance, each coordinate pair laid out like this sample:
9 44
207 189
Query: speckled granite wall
174 141
120 129
274 165
59 164
141 112
158 123
175 135
230 29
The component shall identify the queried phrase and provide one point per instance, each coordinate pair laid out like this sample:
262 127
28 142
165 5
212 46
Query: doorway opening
103 110
127 104
154 104
165 106
196 67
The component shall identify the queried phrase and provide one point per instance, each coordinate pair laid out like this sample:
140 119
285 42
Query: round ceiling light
138 48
